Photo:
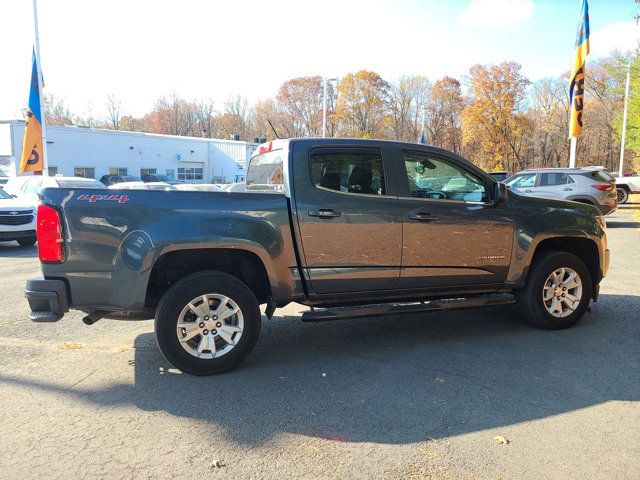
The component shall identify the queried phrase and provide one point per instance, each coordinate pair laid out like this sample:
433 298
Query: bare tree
113 105
56 111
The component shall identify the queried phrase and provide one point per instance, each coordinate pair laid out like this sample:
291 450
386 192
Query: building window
148 171
117 171
171 173
190 174
52 171
86 172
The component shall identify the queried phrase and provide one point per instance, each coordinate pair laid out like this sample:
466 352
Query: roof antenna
274 130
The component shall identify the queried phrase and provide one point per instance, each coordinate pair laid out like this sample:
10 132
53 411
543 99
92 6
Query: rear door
348 215
453 235
554 185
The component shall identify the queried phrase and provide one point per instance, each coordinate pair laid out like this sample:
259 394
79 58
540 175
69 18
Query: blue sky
141 49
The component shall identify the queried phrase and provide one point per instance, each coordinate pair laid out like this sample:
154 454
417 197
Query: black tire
529 300
184 291
622 194
27 242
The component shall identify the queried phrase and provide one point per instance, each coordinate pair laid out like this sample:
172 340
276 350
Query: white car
198 187
27 187
17 219
142 186
625 186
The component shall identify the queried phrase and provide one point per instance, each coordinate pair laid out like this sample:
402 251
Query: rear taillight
603 186
49 234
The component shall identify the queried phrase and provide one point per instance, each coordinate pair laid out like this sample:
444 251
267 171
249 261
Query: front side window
348 170
431 177
526 180
86 172
553 179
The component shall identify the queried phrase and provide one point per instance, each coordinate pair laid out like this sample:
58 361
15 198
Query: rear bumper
47 299
8 235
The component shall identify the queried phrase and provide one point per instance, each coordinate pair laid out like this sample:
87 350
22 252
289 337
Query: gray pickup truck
348 227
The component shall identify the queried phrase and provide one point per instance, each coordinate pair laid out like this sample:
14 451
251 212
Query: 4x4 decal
95 198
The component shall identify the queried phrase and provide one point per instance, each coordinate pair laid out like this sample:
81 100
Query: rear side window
602 176
552 179
348 170
265 171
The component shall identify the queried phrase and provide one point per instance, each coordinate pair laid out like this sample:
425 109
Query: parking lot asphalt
470 394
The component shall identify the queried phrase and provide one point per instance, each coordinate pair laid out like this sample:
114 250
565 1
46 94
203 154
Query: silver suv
592 185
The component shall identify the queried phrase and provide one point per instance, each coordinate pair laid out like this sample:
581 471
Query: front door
349 220
453 235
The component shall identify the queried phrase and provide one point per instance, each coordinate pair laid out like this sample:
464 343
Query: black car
156 177
111 179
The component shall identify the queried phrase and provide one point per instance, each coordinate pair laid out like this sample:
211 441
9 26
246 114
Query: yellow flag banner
32 148
576 88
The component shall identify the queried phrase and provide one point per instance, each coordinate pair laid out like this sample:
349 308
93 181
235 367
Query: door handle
568 189
528 191
422 216
324 213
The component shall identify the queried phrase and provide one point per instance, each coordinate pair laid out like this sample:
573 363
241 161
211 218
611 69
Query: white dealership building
94 152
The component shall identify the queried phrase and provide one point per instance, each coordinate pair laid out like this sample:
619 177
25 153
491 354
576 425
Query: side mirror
500 194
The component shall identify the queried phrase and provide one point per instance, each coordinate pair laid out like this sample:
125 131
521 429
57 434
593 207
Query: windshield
4 195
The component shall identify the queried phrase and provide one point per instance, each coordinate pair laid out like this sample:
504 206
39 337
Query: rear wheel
27 242
207 323
557 292
622 194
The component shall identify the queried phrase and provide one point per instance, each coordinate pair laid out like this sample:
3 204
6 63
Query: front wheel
557 292
622 195
207 323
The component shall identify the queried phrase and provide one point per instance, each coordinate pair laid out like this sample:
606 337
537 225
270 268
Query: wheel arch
583 248
248 265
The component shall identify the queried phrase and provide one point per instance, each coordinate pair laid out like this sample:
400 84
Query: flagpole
45 164
572 152
624 120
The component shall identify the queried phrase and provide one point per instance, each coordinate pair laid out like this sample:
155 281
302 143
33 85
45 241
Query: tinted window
439 179
4 194
602 176
348 170
522 181
551 179
266 169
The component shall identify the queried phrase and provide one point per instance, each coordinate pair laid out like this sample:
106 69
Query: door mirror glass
500 196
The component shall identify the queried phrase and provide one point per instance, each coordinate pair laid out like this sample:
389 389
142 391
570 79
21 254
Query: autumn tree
550 116
443 115
172 115
407 102
361 108
495 125
301 101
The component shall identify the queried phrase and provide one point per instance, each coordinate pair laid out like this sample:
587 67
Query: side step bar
338 313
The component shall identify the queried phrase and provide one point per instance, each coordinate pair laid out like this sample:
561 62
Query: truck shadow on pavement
402 379
393 380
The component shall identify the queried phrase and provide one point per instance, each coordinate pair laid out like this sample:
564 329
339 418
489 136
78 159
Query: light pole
624 120
324 103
